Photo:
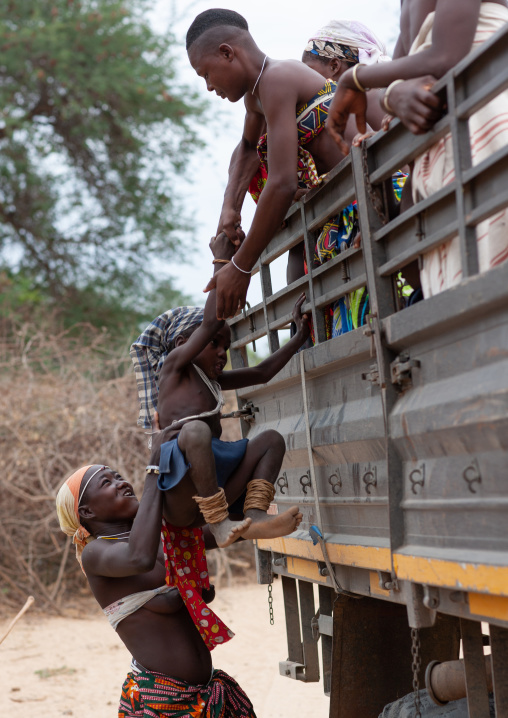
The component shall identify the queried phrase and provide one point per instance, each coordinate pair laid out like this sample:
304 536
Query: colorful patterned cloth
348 40
336 236
186 568
146 694
333 50
310 120
67 503
151 348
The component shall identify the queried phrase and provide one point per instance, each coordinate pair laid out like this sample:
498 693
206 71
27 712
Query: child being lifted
179 363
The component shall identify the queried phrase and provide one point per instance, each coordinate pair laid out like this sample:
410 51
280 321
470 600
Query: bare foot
265 526
227 532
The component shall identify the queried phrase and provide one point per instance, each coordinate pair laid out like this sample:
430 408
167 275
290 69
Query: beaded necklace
116 537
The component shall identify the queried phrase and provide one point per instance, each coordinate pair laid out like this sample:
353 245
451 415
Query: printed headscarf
67 503
151 348
348 40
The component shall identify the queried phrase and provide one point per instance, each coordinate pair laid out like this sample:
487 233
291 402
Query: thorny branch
64 404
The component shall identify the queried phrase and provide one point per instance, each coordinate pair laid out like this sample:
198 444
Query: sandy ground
75 667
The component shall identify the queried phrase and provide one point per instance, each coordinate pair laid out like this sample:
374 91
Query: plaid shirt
150 350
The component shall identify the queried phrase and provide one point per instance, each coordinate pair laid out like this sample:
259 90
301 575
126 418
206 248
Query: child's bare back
185 395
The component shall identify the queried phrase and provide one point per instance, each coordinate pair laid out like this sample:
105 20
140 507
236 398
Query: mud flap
371 654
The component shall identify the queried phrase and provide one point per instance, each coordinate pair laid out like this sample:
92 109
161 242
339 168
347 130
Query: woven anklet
214 508
260 495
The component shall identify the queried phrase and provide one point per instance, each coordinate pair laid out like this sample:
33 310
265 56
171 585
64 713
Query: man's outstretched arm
279 104
242 168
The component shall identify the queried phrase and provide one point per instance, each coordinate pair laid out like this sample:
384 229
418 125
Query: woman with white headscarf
331 51
340 45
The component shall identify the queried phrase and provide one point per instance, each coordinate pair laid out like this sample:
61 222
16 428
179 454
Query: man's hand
221 247
231 285
416 105
301 320
230 222
348 100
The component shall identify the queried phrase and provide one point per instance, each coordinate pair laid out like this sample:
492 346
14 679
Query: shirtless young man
118 544
197 469
224 54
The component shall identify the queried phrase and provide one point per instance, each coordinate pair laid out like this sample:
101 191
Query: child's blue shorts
227 454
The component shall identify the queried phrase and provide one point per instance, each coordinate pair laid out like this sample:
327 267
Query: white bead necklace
259 76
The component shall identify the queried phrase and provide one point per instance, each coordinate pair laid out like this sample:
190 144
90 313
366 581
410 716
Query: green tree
95 133
111 306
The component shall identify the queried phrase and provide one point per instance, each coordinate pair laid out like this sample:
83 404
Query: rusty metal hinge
246 413
372 375
401 370
370 329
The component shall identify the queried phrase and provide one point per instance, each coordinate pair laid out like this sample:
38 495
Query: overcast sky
281 28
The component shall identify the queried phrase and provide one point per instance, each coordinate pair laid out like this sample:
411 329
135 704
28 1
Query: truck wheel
404 708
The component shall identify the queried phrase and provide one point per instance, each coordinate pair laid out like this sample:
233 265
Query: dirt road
75 667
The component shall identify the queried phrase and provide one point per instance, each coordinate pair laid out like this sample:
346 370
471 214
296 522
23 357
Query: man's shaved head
215 17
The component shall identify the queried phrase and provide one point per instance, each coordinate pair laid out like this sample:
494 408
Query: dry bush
64 402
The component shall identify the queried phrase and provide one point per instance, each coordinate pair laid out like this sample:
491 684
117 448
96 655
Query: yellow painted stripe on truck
481 604
301 568
375 588
452 574
344 554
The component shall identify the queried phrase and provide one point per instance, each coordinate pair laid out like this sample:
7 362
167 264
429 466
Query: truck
396 432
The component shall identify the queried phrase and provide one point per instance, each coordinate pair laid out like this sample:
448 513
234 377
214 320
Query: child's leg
262 460
200 484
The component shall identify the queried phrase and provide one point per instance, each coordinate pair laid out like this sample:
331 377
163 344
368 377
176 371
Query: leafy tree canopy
113 306
95 132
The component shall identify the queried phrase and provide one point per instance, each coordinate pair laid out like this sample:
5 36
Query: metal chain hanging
270 604
416 665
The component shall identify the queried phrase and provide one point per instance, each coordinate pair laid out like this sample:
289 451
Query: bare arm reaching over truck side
279 96
242 168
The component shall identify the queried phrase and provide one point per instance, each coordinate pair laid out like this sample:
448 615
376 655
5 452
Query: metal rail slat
462 160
